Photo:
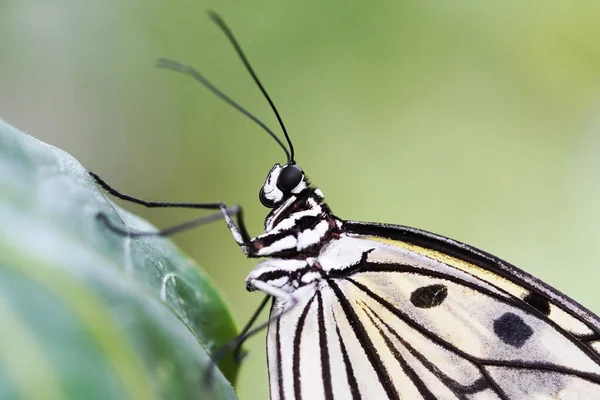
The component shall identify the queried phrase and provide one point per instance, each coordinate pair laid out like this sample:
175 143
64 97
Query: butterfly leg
236 343
288 299
151 204
239 231
102 217
238 353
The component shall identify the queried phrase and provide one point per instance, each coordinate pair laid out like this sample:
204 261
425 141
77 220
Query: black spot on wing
512 330
538 302
429 296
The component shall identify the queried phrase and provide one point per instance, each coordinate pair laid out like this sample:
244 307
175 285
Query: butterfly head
282 183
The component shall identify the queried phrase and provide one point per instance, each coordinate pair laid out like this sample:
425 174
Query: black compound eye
265 202
289 178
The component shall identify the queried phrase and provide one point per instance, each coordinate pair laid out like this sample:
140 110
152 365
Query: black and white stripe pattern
369 311
355 338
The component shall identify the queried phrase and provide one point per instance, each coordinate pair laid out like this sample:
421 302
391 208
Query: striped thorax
298 227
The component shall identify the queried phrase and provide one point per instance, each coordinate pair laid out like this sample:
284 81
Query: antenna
238 49
188 70
191 71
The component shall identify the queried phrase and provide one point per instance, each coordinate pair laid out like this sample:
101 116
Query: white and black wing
404 314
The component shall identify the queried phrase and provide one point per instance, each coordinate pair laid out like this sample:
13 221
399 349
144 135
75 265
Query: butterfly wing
406 314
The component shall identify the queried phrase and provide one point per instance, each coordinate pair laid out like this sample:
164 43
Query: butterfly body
376 311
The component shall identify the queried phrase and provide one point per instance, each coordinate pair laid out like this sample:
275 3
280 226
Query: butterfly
375 311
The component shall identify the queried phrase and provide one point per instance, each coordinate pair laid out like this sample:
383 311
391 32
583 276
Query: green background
476 120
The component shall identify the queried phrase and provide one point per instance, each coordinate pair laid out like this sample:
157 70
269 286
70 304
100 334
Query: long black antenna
191 71
221 23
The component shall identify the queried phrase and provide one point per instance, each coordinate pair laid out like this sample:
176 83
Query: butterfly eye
265 202
289 178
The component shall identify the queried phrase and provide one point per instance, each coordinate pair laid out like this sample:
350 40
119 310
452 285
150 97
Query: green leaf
85 313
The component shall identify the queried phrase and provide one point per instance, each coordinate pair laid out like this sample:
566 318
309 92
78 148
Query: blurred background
476 120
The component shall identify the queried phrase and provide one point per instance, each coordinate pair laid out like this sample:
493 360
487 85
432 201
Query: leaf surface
85 313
